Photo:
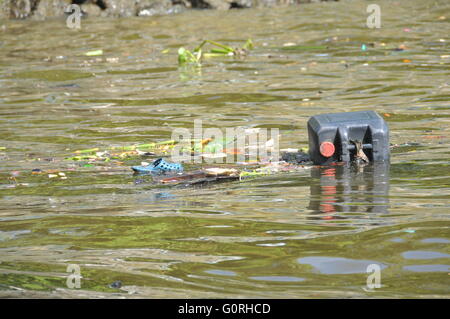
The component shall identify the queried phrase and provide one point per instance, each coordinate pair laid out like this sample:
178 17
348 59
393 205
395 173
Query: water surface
311 233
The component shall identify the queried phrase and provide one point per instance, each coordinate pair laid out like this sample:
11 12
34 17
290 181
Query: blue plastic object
160 166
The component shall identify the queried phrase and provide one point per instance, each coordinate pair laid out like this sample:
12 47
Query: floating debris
116 284
149 149
183 178
207 148
219 50
254 173
160 166
203 177
94 53
86 151
221 171
295 156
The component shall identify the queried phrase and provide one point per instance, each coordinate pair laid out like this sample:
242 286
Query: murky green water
306 234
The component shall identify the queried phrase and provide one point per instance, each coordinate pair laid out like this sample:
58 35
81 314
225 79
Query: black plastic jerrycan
335 137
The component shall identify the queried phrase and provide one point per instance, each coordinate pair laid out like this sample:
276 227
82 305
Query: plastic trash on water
349 136
159 166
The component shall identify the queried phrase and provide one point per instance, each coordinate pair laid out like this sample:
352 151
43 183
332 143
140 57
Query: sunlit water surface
311 233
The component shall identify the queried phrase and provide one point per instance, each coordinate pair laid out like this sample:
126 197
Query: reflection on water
427 268
349 188
335 265
277 278
420 254
220 272
436 240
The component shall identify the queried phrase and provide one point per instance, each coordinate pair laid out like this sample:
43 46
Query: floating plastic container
333 137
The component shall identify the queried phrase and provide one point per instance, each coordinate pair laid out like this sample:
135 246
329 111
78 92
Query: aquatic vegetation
186 56
219 50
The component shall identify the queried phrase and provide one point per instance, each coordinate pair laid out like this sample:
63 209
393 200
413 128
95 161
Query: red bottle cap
327 149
